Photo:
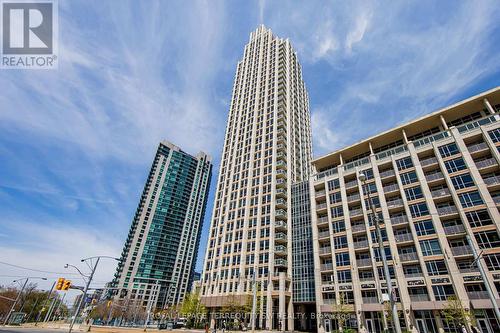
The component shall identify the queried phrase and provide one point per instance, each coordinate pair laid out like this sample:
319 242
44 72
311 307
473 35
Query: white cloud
361 24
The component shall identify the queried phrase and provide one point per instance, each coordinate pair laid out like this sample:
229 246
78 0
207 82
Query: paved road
28 330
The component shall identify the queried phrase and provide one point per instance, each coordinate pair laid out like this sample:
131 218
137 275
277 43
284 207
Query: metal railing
486 163
440 193
408 256
478 294
419 298
395 203
363 262
403 237
447 210
326 267
428 161
477 147
387 173
434 176
391 188
352 183
492 180
454 229
360 244
320 193
461 250
353 197
370 299
399 219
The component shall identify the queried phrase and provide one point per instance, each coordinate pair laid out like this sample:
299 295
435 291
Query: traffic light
60 284
66 285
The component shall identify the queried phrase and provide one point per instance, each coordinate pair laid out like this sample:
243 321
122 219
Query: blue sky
76 144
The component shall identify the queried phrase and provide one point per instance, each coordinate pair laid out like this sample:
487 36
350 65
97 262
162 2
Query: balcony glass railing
475 124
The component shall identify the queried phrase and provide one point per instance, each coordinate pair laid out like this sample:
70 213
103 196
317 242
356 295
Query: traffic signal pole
82 300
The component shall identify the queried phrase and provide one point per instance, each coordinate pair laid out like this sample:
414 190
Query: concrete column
405 138
371 147
282 302
488 106
269 306
341 159
290 316
443 122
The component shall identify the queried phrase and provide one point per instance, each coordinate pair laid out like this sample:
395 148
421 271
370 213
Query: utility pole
15 302
84 296
491 295
59 305
89 280
150 303
381 247
48 299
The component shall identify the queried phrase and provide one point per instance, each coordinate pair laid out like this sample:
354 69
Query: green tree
454 312
193 310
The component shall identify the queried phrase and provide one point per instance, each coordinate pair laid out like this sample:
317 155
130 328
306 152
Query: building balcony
442 192
461 250
353 197
281 147
419 298
387 173
399 219
361 244
454 229
280 174
395 203
322 220
477 294
325 250
281 193
358 228
486 163
367 278
281 183
352 183
434 176
281 203
370 300
491 181
281 164
320 194
414 275
281 124
326 267
281 214
364 262
324 234
281 139
280 250
355 212
280 225
403 237
478 147
428 161
412 256
280 237
391 188
448 210
469 270
280 262
321 207
496 200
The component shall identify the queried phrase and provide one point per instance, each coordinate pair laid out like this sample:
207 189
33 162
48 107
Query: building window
344 276
478 218
487 239
340 242
419 209
495 135
338 226
443 292
492 261
413 193
335 197
333 184
448 150
424 228
462 181
455 165
342 259
337 212
387 252
436 267
404 163
430 247
470 199
409 177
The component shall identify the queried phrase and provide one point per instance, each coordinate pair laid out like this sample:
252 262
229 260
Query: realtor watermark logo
29 34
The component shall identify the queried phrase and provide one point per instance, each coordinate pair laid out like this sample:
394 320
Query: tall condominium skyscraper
159 255
434 184
267 148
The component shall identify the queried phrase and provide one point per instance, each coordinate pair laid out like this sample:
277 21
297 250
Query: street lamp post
89 280
381 247
19 296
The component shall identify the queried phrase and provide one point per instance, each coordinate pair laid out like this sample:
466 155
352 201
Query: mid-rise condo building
435 187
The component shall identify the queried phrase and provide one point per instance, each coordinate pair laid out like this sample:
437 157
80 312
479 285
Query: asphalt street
28 330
